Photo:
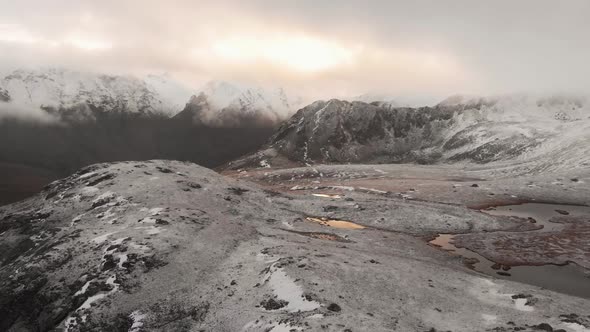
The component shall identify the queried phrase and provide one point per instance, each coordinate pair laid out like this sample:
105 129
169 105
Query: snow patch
287 290
137 317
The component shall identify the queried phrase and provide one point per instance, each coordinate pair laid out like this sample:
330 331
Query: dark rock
330 208
562 212
237 191
543 327
100 179
194 185
475 185
334 307
272 304
164 170
109 263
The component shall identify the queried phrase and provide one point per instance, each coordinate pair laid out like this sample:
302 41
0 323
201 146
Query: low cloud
10 111
323 49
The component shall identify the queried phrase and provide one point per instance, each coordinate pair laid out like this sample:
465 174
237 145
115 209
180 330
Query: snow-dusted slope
550 130
153 94
545 132
61 88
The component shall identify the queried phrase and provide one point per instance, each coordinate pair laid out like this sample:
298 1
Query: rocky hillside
479 130
171 246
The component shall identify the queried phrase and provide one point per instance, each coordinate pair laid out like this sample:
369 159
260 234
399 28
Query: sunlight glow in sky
329 48
297 53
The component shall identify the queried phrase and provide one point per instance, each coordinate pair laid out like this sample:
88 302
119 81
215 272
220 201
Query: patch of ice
520 304
327 195
122 260
84 288
488 291
287 290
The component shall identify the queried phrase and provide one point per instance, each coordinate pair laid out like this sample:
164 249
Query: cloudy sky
322 48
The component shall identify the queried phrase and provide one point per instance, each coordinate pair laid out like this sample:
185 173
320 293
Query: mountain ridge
478 130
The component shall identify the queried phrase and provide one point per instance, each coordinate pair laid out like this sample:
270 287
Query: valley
290 246
349 216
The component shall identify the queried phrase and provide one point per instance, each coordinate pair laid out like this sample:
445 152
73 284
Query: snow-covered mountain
225 104
64 89
550 131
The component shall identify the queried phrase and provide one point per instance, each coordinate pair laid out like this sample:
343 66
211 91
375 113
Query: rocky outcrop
340 131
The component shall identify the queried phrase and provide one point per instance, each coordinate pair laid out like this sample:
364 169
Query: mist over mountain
223 104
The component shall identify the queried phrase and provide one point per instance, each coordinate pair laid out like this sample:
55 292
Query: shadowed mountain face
39 153
339 131
482 130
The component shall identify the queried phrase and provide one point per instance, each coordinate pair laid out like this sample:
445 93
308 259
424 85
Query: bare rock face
340 131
